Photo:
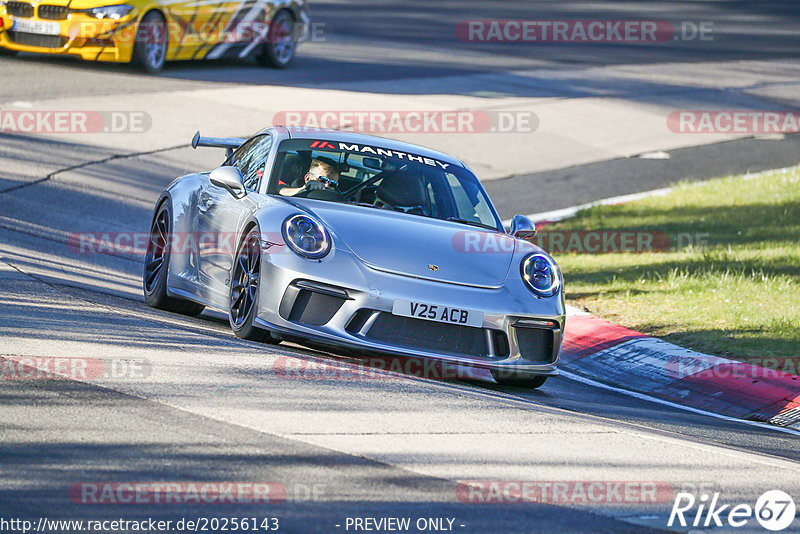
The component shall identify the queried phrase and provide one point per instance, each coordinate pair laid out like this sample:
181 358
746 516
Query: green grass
737 295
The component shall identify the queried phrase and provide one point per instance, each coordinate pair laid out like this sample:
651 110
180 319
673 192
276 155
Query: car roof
372 140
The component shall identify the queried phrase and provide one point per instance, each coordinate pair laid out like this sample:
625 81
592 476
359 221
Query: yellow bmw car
150 32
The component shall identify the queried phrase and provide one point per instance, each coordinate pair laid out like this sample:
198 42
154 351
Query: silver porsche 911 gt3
357 243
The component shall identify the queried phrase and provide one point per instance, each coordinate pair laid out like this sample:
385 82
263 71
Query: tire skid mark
113 157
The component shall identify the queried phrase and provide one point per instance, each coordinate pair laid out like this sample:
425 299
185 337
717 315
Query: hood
417 246
89 4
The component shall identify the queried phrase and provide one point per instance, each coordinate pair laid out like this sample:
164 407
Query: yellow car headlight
107 12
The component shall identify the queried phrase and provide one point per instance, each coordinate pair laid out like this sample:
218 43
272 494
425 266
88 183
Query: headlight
306 237
108 12
540 274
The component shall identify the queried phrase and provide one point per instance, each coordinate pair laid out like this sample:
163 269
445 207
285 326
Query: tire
156 267
508 378
7 52
245 285
279 50
150 47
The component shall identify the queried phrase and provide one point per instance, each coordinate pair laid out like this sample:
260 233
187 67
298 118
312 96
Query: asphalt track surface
213 409
388 40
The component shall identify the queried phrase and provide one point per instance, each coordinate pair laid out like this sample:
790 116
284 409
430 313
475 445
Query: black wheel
245 280
7 52
278 51
508 378
150 47
156 268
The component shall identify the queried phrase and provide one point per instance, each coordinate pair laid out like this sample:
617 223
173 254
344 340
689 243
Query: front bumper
345 304
114 40
79 34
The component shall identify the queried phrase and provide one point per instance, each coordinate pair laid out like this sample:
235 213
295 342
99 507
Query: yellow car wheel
281 44
150 47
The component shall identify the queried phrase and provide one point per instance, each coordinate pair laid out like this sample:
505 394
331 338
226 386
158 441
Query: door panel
221 216
198 26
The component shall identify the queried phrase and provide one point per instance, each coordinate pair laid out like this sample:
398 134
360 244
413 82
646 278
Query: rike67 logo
774 510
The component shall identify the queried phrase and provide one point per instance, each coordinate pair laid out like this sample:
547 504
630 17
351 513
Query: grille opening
535 344
50 12
33 39
19 9
429 336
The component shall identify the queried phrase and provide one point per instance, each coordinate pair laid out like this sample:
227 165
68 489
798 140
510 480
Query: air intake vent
535 344
19 9
311 303
33 39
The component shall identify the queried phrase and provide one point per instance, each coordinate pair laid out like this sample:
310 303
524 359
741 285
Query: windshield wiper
472 223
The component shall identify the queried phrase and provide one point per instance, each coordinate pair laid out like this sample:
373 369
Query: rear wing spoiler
229 143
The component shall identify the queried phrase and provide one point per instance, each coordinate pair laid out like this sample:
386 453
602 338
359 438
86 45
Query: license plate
36 26
437 312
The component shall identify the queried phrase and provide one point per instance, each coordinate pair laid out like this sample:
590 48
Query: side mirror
230 178
522 228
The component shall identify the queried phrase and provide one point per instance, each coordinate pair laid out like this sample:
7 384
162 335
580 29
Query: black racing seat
292 171
403 191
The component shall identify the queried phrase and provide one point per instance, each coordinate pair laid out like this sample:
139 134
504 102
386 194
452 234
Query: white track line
589 382
566 213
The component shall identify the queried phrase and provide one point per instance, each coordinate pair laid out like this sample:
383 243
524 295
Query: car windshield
371 176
